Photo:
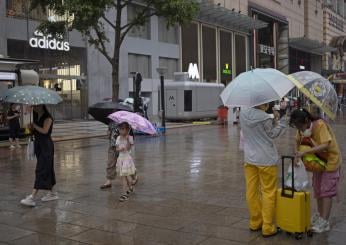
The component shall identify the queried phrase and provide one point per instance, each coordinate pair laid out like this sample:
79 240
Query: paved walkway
72 130
191 191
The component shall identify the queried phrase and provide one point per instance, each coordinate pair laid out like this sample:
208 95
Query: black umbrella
101 110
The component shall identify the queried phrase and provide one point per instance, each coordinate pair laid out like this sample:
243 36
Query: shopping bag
30 151
301 180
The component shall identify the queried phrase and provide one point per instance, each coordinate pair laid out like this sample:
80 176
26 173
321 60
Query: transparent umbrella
318 89
256 87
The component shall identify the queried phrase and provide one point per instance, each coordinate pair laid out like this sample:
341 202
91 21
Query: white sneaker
12 147
50 196
321 226
315 217
28 201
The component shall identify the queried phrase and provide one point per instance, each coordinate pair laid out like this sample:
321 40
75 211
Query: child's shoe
124 198
321 225
315 218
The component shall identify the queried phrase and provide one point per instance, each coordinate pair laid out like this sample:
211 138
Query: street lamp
162 71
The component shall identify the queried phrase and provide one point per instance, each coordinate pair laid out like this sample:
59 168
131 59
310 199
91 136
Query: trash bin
222 113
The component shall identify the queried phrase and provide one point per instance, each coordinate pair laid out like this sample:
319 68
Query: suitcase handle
284 189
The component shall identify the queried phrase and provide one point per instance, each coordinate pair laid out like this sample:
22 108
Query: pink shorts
325 184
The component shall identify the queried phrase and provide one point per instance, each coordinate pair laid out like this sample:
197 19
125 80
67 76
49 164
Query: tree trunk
116 55
115 81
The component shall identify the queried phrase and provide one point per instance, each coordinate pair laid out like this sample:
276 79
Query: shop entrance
72 91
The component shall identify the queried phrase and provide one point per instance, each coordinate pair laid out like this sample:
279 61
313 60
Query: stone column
282 51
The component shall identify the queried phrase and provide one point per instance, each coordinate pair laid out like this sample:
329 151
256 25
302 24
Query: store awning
218 15
10 64
310 46
267 12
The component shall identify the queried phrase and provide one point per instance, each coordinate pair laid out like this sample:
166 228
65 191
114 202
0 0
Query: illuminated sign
263 49
47 42
193 71
226 70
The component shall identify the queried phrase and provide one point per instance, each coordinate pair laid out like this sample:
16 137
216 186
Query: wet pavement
191 191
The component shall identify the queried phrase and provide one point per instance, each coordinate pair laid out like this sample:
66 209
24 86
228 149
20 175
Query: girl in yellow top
325 183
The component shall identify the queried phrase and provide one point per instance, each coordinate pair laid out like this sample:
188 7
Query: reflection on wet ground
191 191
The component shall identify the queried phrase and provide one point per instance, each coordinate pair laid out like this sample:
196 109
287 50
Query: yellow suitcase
292 208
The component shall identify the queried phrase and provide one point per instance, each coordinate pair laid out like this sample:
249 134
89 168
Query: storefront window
209 54
226 57
171 65
299 60
240 54
265 44
59 70
189 45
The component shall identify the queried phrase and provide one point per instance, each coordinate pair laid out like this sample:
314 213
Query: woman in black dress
44 151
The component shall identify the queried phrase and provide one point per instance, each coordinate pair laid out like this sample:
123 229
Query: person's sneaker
321 226
315 217
28 201
18 146
12 147
50 196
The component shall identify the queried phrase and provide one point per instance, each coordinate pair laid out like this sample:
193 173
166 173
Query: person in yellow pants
261 157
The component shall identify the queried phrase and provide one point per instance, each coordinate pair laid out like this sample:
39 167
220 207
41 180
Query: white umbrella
256 87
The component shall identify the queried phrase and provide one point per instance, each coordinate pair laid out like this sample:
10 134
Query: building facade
225 39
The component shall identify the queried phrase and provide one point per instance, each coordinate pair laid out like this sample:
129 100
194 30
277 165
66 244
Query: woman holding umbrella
44 151
42 126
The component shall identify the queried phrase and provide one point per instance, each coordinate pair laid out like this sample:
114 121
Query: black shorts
14 133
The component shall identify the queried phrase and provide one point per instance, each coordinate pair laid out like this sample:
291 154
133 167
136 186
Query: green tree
90 18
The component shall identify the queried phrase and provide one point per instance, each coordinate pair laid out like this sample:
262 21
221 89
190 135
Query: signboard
47 42
264 49
334 21
226 70
193 71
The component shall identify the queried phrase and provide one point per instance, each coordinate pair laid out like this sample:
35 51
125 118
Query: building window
167 35
171 65
226 57
187 100
240 54
141 64
209 54
21 9
138 31
189 37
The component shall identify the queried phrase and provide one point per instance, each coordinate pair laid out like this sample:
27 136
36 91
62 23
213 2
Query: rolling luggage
292 207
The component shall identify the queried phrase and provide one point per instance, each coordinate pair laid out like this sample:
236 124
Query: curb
60 139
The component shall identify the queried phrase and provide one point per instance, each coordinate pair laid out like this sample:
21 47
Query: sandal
130 190
124 198
104 186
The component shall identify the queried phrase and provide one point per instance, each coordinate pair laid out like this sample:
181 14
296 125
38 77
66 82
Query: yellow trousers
261 186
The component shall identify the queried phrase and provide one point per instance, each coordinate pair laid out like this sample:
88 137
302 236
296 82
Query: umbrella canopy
318 89
136 121
100 111
256 87
31 95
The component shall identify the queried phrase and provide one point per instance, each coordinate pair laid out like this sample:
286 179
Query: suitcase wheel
298 236
310 233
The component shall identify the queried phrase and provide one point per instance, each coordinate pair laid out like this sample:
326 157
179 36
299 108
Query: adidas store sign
47 42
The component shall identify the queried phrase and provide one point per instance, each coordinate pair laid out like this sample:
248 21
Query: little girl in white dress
125 165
